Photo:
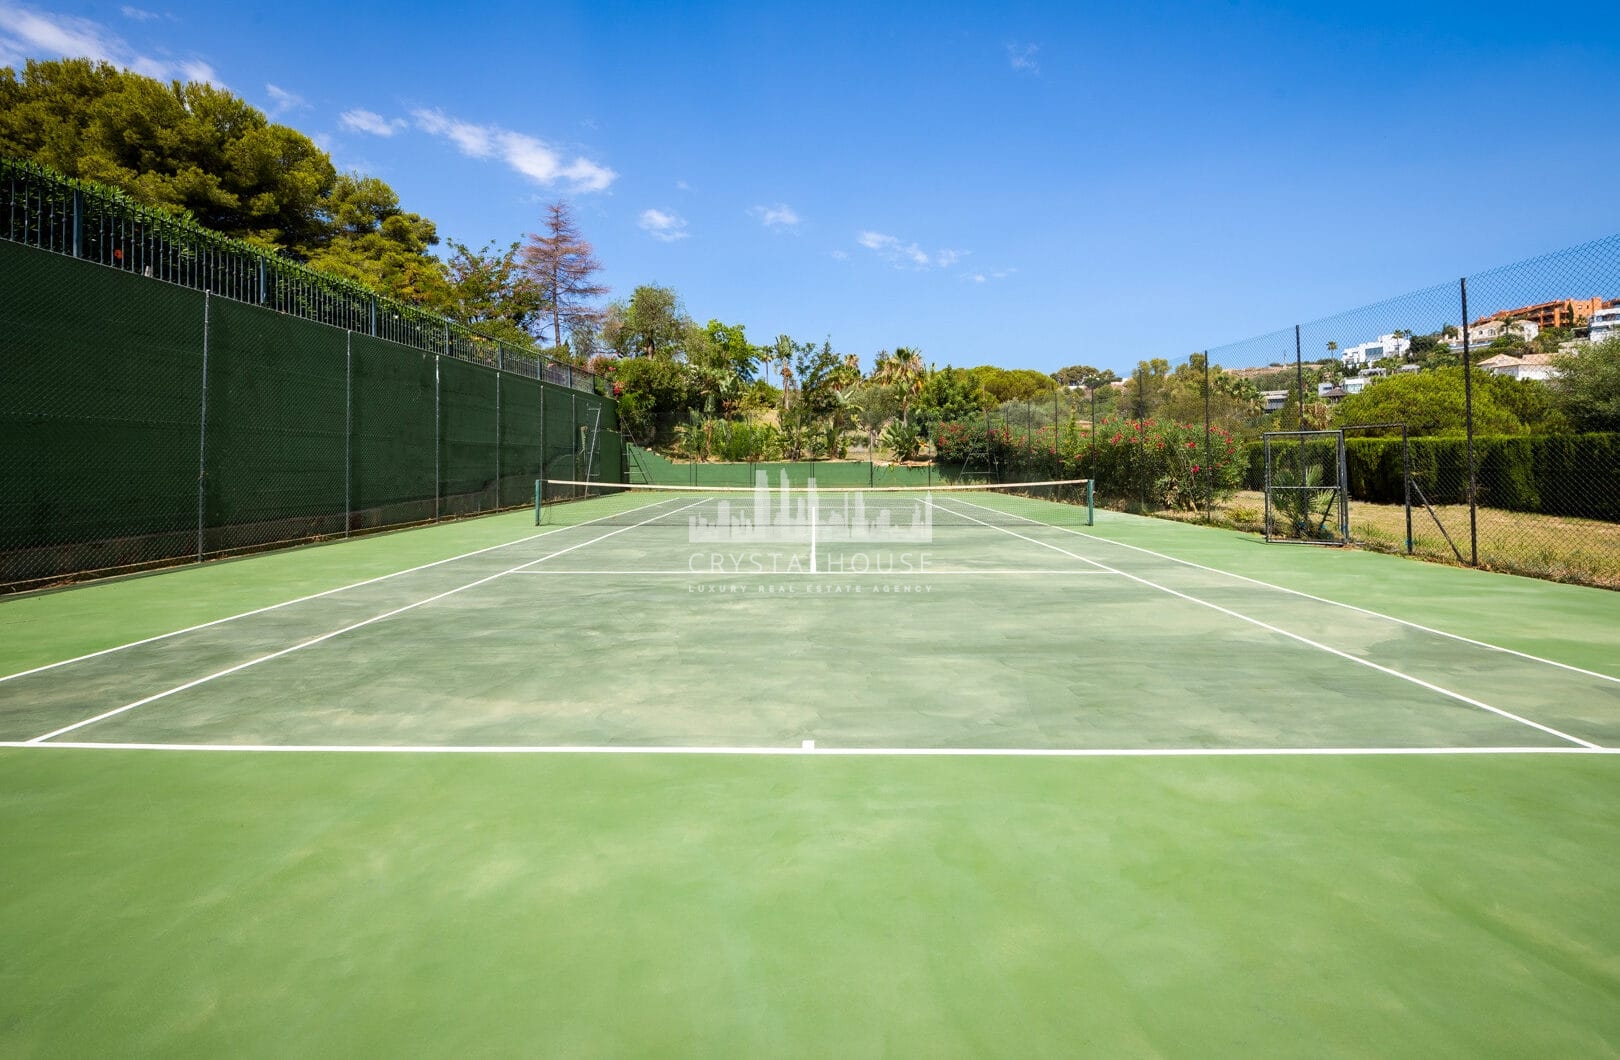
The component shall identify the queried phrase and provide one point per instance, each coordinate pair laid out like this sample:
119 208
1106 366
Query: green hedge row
1556 474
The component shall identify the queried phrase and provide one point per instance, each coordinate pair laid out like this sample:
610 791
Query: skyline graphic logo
810 517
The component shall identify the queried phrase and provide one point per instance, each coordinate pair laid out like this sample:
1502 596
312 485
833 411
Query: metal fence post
1209 467
497 432
1468 422
437 485
1093 431
202 437
348 431
1299 377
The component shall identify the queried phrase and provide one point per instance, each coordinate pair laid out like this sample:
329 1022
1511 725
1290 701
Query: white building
1605 324
1350 384
1482 335
1530 366
1367 352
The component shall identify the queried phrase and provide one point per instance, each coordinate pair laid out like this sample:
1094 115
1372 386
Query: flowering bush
1164 462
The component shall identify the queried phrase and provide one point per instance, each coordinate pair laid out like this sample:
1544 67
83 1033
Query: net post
1091 508
537 501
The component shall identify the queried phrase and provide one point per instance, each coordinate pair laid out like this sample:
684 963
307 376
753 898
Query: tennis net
786 512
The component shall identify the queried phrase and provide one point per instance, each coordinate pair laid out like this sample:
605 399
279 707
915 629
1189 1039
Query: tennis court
699 772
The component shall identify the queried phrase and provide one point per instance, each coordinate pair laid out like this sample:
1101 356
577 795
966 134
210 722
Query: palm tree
903 370
782 353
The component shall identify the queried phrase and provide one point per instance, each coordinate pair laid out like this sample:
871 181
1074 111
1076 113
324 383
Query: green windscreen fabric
562 434
100 410
144 423
277 406
391 442
467 438
522 442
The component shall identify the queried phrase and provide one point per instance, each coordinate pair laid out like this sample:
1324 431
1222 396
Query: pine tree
560 264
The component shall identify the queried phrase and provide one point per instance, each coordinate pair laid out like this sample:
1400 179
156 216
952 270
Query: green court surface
608 786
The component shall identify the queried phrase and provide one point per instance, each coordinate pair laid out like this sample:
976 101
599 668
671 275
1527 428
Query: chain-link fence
1480 420
147 423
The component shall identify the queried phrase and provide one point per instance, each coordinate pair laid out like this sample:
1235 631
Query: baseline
831 752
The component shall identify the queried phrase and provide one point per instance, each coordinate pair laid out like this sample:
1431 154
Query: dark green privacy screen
143 423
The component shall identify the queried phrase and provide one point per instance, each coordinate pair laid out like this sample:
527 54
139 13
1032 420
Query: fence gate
1306 499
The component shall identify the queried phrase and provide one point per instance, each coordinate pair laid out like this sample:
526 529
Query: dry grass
1582 551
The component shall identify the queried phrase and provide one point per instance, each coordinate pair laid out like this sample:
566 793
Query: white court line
822 750
1308 596
299 600
1458 696
336 632
823 575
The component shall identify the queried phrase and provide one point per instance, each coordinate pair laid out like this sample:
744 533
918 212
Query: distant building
1274 399
1488 331
1561 314
1530 366
1605 324
1345 388
1390 345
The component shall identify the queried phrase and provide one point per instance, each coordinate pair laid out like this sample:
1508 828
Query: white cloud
137 15
779 216
533 158
840 255
977 277
282 101
359 120
663 226
903 255
26 34
681 185
1022 57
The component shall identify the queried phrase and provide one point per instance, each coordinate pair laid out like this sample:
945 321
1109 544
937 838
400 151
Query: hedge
1553 474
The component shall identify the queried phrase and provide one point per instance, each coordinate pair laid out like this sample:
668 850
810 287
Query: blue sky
1031 185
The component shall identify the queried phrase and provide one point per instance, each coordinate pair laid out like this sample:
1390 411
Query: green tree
187 147
1234 403
1429 403
1085 376
904 370
1013 384
369 239
872 404
489 292
655 395
1588 386
652 323
725 347
1146 389
950 394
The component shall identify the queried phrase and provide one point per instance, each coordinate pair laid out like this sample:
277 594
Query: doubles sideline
335 633
1359 661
